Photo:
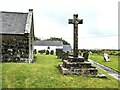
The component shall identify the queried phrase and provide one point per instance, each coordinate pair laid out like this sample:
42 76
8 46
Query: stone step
80 71
68 64
63 70
75 59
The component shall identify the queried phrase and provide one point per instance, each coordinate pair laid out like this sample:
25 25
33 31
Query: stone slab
80 71
63 70
75 59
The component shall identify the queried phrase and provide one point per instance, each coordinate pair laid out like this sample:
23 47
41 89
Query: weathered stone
59 53
52 52
75 59
41 51
35 51
47 52
15 48
75 21
78 71
85 55
63 70
74 64
102 76
17 36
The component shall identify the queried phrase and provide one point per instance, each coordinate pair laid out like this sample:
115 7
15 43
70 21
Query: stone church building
16 36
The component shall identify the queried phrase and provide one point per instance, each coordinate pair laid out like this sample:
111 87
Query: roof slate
48 43
67 48
12 22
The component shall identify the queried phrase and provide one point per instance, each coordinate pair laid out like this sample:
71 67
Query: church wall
15 48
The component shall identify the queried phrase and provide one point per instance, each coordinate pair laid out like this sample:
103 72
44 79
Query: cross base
76 59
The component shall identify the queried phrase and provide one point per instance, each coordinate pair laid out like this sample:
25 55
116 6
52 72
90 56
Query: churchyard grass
0 75
113 60
45 74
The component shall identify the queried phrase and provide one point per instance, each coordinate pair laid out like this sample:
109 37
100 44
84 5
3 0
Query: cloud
100 18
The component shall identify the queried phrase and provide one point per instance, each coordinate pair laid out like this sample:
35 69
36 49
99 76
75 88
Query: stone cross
75 21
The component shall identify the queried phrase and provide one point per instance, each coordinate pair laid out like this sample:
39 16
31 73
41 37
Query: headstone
47 52
41 51
35 51
65 55
75 64
48 47
102 76
59 53
106 57
52 52
86 54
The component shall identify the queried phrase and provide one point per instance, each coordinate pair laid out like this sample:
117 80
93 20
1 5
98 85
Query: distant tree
36 38
59 39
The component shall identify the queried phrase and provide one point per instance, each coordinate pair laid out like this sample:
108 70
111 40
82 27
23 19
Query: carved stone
74 64
75 21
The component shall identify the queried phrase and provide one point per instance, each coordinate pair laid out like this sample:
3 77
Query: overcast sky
100 20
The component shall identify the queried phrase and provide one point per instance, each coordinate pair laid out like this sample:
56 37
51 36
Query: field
113 60
45 74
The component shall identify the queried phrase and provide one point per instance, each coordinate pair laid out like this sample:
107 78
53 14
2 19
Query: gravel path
110 71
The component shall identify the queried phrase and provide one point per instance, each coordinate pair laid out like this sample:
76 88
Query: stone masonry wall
15 48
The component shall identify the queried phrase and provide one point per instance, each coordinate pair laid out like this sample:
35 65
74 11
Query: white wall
45 47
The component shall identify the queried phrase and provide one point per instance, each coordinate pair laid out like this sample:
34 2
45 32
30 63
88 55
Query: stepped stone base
77 66
75 59
80 71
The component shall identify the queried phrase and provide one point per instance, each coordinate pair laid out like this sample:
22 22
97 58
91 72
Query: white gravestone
106 57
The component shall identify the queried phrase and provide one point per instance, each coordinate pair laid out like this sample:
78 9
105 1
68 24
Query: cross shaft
75 21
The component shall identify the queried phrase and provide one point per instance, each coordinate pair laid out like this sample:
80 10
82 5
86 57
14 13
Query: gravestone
65 55
59 53
47 52
106 57
35 51
86 54
52 52
41 51
75 64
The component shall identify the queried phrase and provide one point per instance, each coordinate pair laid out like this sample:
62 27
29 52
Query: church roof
67 48
13 22
48 43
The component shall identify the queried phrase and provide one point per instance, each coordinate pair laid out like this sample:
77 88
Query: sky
100 20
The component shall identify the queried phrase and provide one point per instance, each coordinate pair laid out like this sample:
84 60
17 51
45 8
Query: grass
112 64
45 74
0 75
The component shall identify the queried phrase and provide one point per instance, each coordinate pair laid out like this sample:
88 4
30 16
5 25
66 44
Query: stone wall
15 48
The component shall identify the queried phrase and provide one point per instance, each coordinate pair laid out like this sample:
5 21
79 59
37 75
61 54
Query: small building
45 45
61 52
17 35
67 48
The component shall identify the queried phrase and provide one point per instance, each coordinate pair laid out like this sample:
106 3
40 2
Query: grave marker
75 64
75 21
